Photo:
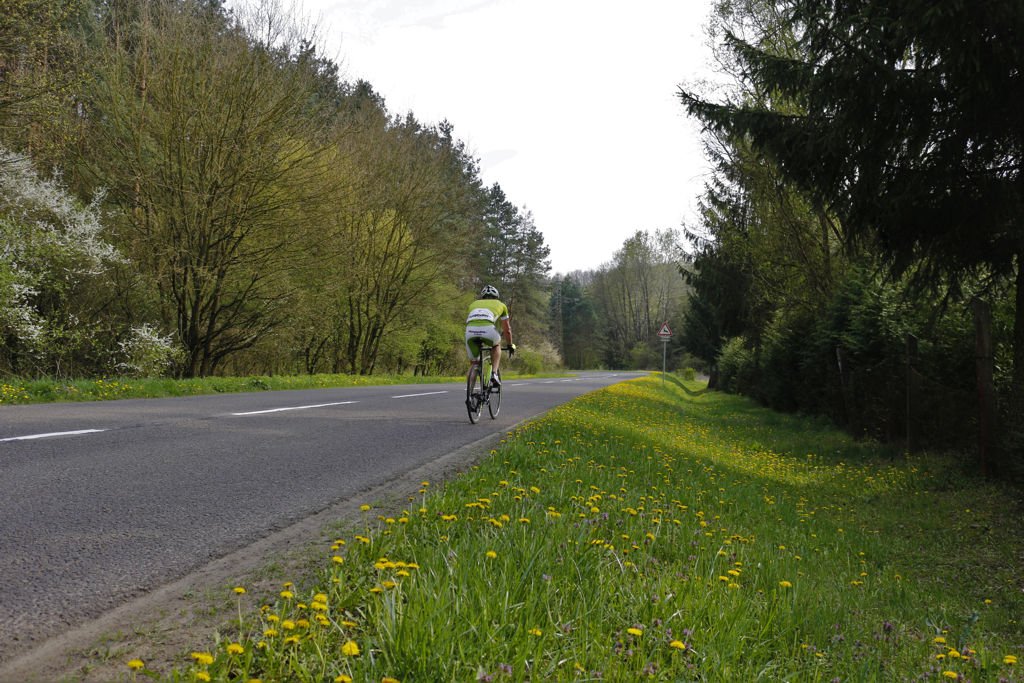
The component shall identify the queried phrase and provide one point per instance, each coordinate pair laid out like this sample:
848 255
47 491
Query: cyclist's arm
506 329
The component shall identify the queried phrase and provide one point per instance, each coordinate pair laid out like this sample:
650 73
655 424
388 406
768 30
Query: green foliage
653 531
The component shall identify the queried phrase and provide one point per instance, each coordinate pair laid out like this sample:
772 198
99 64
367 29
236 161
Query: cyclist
485 314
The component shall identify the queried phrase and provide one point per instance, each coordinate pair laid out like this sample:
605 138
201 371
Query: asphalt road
102 502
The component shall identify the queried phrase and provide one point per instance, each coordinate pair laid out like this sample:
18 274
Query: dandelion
338 559
939 640
364 507
203 658
342 678
287 595
235 649
677 645
350 649
1010 659
138 664
535 632
203 676
239 590
291 640
950 674
389 679
785 584
634 632
491 554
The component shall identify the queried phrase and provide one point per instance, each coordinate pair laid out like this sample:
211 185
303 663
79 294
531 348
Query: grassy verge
649 531
48 391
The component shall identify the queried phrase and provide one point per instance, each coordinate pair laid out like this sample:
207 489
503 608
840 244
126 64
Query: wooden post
986 390
911 388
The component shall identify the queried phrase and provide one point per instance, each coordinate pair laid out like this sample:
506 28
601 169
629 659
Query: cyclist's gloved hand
511 349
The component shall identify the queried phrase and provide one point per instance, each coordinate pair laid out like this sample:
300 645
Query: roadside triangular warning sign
665 331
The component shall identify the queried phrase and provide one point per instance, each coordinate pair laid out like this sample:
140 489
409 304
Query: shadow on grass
679 383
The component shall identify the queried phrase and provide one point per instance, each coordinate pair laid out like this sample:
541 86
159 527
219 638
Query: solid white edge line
280 410
46 436
429 393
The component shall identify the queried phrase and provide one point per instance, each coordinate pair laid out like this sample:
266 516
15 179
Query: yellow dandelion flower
677 645
634 632
950 674
239 590
342 678
288 625
785 584
350 649
287 595
939 640
291 640
235 649
337 559
389 679
535 632
136 664
270 633
349 624
1010 659
364 507
273 618
204 658
203 676
524 520
491 554
388 584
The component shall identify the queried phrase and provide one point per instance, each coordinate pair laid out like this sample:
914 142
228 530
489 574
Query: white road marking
48 435
515 385
429 393
279 410
550 381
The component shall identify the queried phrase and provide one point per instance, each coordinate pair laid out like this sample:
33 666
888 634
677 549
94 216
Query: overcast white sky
569 104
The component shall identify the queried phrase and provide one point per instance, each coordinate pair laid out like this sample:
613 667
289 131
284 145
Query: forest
190 191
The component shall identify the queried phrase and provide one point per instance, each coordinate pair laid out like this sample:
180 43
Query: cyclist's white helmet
489 292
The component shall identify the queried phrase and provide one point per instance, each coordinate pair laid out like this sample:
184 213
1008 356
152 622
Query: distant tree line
865 213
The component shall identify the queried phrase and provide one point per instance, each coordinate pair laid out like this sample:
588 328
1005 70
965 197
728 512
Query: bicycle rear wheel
474 393
494 402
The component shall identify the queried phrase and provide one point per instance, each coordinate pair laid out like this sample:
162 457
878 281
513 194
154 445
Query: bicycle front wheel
474 393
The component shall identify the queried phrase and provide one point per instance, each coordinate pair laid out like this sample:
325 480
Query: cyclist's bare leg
495 357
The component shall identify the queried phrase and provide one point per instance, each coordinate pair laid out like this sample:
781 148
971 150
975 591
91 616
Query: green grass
48 391
650 531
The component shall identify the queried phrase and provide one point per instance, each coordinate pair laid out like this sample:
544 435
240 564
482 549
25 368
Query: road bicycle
479 392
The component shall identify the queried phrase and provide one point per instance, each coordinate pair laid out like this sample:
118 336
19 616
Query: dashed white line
49 434
280 410
429 393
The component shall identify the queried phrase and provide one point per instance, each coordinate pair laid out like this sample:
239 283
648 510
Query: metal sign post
665 333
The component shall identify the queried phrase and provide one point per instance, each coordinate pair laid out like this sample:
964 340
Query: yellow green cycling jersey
486 312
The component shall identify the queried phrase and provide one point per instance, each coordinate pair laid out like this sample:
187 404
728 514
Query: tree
908 127
636 292
514 258
210 153
575 322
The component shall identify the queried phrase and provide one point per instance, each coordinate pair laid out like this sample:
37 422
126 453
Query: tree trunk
986 389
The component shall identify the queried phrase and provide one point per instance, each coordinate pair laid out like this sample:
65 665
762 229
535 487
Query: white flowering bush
54 265
146 353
